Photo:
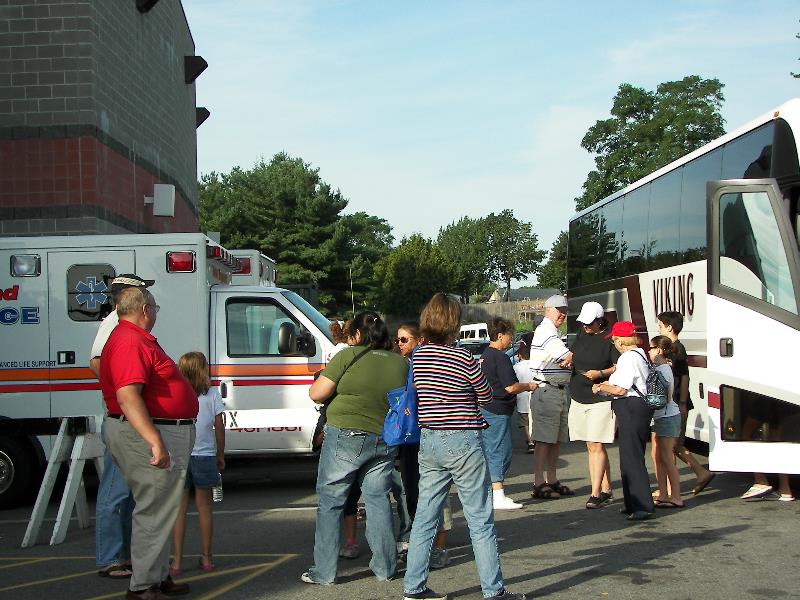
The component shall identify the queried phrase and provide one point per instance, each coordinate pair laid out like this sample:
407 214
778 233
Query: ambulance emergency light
26 265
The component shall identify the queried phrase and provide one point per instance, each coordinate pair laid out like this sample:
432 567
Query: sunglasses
402 340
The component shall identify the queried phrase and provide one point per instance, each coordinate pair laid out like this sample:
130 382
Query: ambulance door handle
726 346
223 389
65 357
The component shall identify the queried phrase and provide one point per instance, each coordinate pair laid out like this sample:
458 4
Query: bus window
634 222
693 203
610 240
665 212
752 257
749 156
583 250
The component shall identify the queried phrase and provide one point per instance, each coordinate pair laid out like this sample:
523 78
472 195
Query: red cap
622 329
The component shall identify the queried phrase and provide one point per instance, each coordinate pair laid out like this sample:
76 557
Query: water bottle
216 492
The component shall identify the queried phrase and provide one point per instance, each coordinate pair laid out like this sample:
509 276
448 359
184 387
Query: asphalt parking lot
717 547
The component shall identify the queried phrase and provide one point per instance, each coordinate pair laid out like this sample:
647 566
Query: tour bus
714 236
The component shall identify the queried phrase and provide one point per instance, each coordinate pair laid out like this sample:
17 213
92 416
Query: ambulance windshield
312 313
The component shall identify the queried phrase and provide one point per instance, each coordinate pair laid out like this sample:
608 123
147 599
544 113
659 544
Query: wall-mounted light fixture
163 200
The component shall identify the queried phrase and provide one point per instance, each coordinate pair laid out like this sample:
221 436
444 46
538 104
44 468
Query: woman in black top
590 417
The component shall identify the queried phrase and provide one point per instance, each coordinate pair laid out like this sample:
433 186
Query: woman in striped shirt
450 385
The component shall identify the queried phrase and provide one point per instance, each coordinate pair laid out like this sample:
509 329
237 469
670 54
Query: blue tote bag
401 425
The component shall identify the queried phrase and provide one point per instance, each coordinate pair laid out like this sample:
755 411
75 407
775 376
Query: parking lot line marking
216 512
239 582
27 561
48 580
254 571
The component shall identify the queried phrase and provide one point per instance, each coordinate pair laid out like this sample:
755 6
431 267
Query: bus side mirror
287 339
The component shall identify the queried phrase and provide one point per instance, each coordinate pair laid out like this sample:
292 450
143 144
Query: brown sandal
561 490
545 492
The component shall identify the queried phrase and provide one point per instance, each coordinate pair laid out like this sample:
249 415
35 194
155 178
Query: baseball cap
622 329
556 301
129 280
590 311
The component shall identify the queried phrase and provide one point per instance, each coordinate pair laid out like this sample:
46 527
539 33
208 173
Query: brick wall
93 111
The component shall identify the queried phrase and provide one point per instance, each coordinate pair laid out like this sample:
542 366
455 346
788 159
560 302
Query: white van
473 332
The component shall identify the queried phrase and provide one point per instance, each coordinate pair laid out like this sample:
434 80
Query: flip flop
701 485
787 498
757 490
667 504
115 572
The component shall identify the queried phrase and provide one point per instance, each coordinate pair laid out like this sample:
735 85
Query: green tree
410 274
553 273
465 244
648 130
513 248
285 210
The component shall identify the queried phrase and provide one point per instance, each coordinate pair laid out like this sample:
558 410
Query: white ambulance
254 268
264 344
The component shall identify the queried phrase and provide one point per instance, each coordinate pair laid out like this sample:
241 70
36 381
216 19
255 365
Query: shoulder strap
649 364
352 362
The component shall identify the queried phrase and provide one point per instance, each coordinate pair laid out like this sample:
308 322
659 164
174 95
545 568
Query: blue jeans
497 444
403 514
457 455
347 456
113 516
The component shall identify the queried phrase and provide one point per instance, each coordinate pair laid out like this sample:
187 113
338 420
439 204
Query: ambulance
264 344
254 268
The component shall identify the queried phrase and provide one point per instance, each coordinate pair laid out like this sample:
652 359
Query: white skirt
592 422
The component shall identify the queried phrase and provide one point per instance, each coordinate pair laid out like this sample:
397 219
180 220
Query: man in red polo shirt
150 434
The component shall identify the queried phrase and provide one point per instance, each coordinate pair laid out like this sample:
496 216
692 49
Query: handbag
319 431
401 425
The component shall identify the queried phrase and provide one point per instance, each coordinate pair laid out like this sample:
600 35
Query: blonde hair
194 367
440 319
626 341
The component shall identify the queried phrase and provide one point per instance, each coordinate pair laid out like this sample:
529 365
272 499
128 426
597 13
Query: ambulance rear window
87 291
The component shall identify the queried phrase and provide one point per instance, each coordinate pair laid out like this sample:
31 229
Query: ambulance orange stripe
263 370
70 373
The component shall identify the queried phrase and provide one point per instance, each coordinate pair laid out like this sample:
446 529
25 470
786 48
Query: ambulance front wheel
18 471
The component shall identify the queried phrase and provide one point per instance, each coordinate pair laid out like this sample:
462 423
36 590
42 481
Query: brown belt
158 421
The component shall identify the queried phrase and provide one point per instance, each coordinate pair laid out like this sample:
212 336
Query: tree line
284 209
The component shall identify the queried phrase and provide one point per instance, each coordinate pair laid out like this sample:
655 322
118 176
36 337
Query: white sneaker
402 547
504 503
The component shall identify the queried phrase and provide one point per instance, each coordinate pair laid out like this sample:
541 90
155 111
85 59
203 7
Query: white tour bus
714 236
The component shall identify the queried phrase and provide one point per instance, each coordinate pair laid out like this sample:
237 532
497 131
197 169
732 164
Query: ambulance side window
87 291
252 327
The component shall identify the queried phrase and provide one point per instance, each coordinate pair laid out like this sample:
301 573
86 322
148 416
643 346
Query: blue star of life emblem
91 292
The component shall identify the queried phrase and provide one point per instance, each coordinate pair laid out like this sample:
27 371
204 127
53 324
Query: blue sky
424 112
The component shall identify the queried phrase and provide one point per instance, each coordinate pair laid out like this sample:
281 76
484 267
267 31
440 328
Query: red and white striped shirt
450 385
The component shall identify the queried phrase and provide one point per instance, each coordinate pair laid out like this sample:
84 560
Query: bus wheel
17 472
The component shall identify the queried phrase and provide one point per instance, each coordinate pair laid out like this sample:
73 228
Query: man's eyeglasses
155 307
402 340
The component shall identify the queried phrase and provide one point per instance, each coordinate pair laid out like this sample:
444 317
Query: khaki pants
157 493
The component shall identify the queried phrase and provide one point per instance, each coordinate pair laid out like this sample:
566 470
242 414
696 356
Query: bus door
753 329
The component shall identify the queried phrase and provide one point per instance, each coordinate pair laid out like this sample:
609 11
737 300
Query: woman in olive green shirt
353 449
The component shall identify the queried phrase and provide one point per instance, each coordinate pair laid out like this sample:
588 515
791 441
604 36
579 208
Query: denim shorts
202 472
667 426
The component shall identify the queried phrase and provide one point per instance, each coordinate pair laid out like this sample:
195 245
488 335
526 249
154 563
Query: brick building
97 106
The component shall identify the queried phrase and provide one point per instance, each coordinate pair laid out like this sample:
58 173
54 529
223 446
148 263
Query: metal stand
77 442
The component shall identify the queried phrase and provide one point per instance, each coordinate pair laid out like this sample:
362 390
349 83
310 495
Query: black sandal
545 491
562 490
594 502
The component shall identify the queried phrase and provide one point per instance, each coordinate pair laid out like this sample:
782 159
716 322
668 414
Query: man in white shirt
551 362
